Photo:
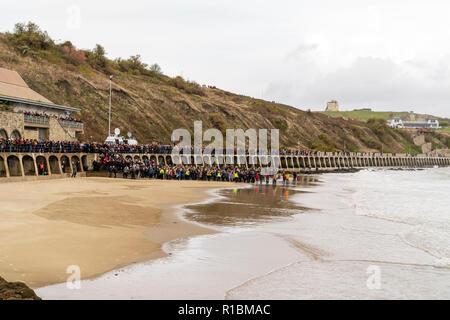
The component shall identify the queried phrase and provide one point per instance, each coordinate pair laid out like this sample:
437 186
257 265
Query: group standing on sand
116 165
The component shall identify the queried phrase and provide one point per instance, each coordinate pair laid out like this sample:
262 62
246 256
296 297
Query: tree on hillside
132 65
96 57
99 51
137 64
72 55
156 68
67 44
29 37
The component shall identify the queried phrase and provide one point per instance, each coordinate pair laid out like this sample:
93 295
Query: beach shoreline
98 224
289 242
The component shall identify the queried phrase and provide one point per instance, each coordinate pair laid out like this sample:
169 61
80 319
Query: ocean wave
435 241
419 199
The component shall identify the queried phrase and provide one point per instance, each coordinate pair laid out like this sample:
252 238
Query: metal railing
31 148
71 124
36 119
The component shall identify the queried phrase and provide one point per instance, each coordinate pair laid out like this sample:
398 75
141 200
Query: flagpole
110 94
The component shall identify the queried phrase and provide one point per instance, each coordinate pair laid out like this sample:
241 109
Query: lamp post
110 94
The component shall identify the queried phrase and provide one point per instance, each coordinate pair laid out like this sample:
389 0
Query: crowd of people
154 148
47 146
40 146
118 166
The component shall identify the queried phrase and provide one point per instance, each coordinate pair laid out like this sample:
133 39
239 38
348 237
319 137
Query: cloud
380 83
300 51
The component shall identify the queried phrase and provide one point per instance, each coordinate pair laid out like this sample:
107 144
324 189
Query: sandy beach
97 224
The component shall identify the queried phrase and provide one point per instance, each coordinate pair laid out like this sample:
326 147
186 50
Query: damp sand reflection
257 204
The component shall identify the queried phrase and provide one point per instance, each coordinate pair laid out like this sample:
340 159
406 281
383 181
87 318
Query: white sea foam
418 198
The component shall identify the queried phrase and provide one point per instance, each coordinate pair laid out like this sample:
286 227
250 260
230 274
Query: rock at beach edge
16 291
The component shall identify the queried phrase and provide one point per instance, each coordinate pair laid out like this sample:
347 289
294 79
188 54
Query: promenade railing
26 148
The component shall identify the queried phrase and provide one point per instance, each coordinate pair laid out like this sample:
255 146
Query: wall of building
59 133
31 134
10 121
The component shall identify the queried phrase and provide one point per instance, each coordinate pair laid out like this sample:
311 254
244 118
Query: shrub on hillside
357 132
8 58
29 38
280 124
134 65
156 68
324 143
96 58
372 143
72 55
444 139
350 146
218 121
379 127
190 87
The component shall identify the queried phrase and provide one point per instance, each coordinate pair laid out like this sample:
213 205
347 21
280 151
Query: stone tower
333 105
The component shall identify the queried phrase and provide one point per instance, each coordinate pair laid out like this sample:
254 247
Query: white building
399 123
395 123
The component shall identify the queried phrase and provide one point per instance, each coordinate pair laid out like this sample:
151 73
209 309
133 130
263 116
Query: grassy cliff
151 105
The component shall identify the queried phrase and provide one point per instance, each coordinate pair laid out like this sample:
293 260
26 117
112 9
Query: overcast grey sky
384 54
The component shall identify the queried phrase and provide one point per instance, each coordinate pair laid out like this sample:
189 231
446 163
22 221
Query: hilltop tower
333 105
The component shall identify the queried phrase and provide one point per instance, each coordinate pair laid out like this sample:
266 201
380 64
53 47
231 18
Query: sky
384 55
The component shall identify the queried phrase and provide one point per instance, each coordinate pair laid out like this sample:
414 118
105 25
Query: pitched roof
12 85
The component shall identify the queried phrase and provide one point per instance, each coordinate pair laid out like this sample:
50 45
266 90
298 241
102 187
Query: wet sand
98 224
247 207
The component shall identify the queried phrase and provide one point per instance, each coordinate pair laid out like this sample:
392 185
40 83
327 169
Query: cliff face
152 107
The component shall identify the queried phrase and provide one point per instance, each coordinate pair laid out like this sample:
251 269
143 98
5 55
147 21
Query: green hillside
365 114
